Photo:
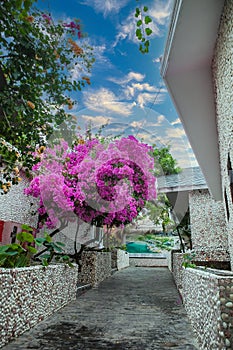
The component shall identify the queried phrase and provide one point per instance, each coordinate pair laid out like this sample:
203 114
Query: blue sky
126 87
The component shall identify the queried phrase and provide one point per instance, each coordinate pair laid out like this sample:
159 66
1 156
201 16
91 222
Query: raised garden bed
30 294
96 267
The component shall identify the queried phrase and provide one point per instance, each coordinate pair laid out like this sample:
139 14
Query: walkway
135 309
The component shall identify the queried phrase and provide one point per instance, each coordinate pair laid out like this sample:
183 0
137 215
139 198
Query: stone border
96 267
29 295
208 300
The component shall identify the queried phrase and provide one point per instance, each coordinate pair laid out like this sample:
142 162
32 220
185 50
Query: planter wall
120 259
177 269
208 299
96 267
29 295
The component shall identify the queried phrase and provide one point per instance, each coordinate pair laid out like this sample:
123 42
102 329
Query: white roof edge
171 31
181 188
209 165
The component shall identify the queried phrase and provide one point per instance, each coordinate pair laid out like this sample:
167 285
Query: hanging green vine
142 30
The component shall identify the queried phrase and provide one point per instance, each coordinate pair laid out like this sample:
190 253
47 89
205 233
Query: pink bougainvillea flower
101 183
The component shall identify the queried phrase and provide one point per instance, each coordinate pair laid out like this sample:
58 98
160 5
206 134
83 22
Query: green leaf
45 256
48 238
18 4
11 253
45 262
147 20
27 4
39 241
57 248
65 257
145 8
137 11
60 244
139 33
25 237
3 248
139 23
148 31
31 249
26 228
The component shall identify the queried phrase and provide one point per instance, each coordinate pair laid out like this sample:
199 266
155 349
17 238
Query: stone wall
222 76
147 260
177 269
30 294
96 267
208 224
208 299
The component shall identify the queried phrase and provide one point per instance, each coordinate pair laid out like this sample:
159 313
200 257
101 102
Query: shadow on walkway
135 309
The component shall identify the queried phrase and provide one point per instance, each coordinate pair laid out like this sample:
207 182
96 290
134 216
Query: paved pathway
135 309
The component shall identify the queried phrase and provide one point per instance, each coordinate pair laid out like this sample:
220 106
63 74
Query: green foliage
165 164
163 243
187 260
38 57
54 250
18 254
159 211
21 254
142 30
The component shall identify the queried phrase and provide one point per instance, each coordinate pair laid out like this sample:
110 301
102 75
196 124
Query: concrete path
135 309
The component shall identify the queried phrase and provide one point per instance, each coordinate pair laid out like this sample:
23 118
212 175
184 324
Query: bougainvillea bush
103 183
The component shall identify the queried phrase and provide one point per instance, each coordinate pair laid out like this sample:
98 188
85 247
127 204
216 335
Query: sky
126 90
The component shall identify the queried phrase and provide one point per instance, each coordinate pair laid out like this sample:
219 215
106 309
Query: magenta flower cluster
72 26
102 183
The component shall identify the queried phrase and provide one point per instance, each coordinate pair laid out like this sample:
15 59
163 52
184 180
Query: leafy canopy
39 59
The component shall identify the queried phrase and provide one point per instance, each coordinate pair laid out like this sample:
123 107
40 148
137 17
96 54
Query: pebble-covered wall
96 267
16 207
222 74
208 223
30 294
177 269
208 299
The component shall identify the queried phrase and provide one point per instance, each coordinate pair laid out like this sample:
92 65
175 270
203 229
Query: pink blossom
101 183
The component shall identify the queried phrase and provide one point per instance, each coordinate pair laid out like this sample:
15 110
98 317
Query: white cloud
176 122
161 118
106 7
137 124
160 12
95 120
145 97
157 59
105 100
175 133
143 93
126 79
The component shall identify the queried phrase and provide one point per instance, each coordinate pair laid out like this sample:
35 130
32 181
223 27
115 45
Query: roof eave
186 70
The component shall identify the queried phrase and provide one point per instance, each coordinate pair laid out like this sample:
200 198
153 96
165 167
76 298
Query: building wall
208 224
222 75
16 209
